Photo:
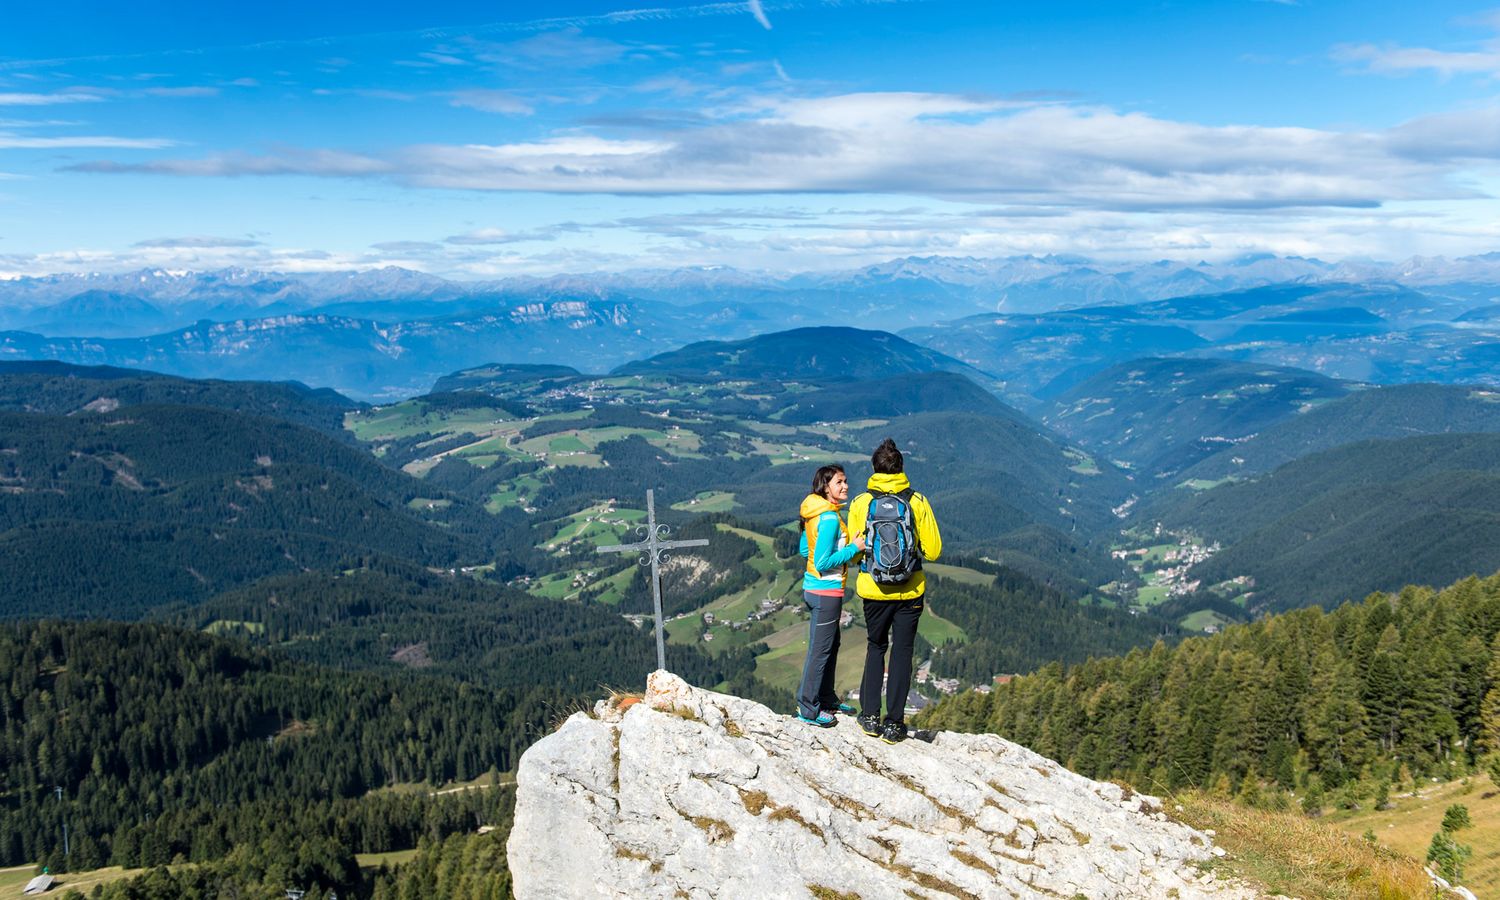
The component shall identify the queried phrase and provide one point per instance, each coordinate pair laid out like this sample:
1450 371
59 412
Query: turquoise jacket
830 545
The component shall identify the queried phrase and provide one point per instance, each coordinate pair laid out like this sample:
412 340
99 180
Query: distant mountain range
951 285
1381 333
1037 327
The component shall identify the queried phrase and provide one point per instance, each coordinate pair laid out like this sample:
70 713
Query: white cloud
196 242
483 236
1022 153
1395 60
188 91
293 162
491 101
18 142
19 99
1401 60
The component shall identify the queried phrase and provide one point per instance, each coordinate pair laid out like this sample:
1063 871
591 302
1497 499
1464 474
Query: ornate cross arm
653 548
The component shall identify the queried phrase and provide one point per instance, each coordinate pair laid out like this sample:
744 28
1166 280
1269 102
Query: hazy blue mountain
366 359
98 313
1160 416
1382 333
1039 355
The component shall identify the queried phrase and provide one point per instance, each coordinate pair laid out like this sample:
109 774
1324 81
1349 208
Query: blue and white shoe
824 720
846 709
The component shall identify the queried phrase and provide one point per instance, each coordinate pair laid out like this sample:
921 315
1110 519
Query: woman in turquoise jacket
828 548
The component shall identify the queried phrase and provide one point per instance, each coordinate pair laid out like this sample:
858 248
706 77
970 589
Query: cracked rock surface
695 794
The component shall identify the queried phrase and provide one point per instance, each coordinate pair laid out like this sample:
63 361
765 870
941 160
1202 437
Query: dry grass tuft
682 712
1287 853
717 831
972 861
787 814
754 801
821 892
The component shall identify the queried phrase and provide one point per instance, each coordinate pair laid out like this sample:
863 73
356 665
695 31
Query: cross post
653 547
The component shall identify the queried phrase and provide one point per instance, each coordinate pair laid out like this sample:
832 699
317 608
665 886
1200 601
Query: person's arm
802 550
859 509
928 537
828 537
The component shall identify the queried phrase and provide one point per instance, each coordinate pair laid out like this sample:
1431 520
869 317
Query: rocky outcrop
695 794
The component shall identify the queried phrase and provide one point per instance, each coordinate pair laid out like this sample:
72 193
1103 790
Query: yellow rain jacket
929 541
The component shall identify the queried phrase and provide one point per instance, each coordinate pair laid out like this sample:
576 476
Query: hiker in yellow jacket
900 531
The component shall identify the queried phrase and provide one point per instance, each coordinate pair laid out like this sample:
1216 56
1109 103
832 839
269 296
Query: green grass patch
415 417
231 626
1202 619
389 859
1151 595
707 502
13 879
938 631
420 503
1203 484
958 573
1083 464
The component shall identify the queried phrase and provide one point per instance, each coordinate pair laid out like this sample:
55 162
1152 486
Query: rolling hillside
1393 411
808 354
1160 416
107 514
61 389
1341 523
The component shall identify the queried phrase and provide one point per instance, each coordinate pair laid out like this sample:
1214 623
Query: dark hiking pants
816 690
890 624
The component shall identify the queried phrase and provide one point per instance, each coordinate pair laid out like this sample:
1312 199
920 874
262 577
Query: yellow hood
886 484
814 506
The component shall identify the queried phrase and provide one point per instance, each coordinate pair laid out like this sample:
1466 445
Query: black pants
889 622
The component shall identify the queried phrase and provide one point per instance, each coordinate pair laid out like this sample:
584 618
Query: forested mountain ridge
1160 416
62 389
1388 411
1392 686
1338 524
106 514
821 353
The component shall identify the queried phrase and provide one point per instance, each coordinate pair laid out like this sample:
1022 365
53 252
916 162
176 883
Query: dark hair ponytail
820 481
887 460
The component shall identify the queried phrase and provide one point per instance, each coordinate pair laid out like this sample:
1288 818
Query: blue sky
477 140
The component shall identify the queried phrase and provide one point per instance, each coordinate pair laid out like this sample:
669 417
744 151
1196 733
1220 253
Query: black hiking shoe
893 732
870 725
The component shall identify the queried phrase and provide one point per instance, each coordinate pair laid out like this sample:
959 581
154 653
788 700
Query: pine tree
1448 856
1489 713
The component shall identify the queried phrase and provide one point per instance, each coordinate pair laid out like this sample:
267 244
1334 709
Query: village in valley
1163 562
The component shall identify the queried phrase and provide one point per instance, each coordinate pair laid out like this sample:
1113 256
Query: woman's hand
859 542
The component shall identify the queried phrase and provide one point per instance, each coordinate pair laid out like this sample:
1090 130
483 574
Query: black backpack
892 554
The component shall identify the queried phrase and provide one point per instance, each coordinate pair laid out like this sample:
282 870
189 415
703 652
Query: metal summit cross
653 548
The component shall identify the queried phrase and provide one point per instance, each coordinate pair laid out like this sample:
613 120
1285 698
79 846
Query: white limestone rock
702 795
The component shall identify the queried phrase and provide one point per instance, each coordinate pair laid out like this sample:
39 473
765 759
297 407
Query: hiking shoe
824 720
846 709
893 732
870 725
